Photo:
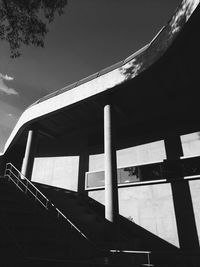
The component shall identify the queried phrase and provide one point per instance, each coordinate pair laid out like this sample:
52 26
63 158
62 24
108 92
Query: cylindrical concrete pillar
111 191
28 160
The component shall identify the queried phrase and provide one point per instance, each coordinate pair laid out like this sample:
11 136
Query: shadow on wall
147 240
150 207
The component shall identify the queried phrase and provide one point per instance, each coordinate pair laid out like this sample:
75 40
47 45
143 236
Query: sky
90 36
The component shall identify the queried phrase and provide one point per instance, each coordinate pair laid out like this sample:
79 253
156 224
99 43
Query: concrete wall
133 156
58 161
191 144
195 193
149 206
57 171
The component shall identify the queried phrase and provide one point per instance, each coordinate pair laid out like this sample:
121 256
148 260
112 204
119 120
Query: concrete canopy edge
128 69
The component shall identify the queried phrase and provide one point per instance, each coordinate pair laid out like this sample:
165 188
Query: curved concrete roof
110 77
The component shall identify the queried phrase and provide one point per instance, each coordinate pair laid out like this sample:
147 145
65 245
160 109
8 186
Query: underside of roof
153 91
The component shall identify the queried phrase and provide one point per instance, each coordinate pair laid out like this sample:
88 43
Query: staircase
36 233
32 232
88 220
46 226
137 244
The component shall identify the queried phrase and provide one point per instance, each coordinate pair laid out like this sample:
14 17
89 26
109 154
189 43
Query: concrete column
186 226
27 165
111 191
83 165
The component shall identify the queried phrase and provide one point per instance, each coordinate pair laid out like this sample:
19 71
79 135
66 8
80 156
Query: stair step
6 189
82 211
71 263
42 234
17 211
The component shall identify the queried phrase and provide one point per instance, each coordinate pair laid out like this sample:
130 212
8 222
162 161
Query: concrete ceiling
162 99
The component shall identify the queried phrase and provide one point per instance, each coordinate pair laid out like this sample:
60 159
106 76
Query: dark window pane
95 179
127 175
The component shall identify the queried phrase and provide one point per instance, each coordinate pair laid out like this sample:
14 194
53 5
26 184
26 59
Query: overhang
153 91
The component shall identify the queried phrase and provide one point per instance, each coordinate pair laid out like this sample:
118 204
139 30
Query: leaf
25 21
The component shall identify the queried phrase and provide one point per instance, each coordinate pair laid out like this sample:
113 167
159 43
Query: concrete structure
111 192
152 99
27 165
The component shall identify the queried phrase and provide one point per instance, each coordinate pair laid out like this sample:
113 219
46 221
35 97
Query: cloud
6 77
4 88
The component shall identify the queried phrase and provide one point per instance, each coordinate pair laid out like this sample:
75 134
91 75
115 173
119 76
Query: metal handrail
22 180
135 252
41 198
47 204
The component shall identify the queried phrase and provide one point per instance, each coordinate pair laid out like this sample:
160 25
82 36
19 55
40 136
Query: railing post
46 205
5 170
9 174
26 187
36 195
148 258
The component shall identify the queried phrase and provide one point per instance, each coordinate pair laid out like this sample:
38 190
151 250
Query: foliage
25 21
130 218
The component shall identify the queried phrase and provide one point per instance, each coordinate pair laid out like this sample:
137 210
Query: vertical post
2 165
187 232
27 165
111 191
83 164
